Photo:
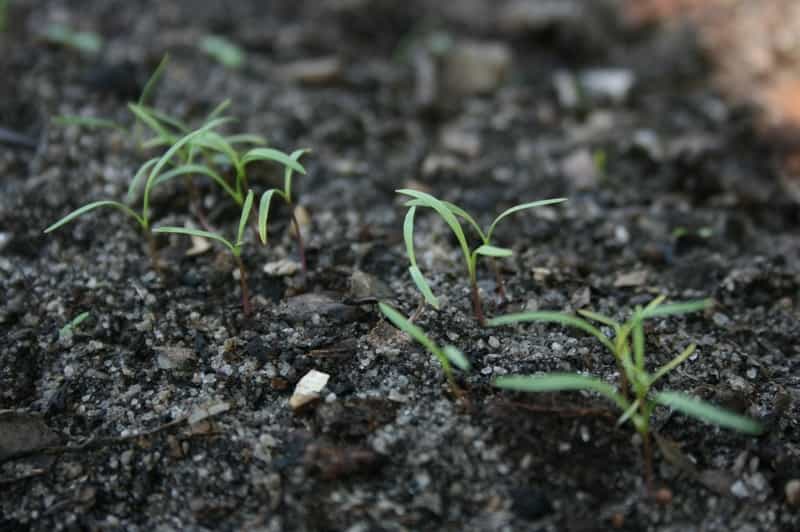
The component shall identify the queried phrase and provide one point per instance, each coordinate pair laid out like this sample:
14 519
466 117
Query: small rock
20 432
363 285
607 84
739 489
308 388
580 169
567 91
648 142
203 412
304 307
635 278
663 496
792 492
281 268
473 67
436 163
320 71
462 142
174 357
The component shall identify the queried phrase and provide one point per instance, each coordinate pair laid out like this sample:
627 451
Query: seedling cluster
205 152
202 152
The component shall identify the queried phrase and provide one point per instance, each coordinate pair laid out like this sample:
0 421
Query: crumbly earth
671 191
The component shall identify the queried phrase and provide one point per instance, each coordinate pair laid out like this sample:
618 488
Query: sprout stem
501 287
476 303
301 250
647 454
152 250
247 309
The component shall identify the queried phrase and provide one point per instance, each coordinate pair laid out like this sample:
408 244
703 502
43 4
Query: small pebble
792 492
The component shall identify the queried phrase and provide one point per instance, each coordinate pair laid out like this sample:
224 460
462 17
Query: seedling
223 51
628 347
447 355
68 329
153 171
286 195
85 42
450 214
235 246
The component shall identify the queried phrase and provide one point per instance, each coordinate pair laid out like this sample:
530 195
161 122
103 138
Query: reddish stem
647 453
501 287
301 250
476 304
246 308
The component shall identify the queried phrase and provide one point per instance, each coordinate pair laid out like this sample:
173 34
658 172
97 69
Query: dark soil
687 204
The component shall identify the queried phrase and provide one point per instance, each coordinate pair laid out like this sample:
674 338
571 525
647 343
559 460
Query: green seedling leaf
71 326
248 206
458 211
196 232
707 412
197 169
629 413
518 208
137 179
153 80
263 213
493 251
557 382
219 109
217 142
287 174
555 317
270 154
223 51
423 286
455 356
417 334
605 320
672 364
87 121
88 43
638 345
143 114
86 208
167 157
676 308
443 211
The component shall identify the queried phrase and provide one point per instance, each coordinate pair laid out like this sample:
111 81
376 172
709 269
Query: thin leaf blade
707 412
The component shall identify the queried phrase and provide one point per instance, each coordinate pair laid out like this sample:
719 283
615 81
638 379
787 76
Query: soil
671 191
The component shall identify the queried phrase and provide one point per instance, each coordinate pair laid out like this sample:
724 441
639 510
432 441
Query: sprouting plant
450 214
88 43
447 355
234 246
223 51
628 348
286 195
153 170
69 328
239 160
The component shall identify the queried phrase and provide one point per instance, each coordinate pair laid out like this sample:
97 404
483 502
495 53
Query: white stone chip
308 388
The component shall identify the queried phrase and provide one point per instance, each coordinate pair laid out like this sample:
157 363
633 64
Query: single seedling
628 347
447 355
223 50
235 246
286 195
450 214
153 171
85 42
68 329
